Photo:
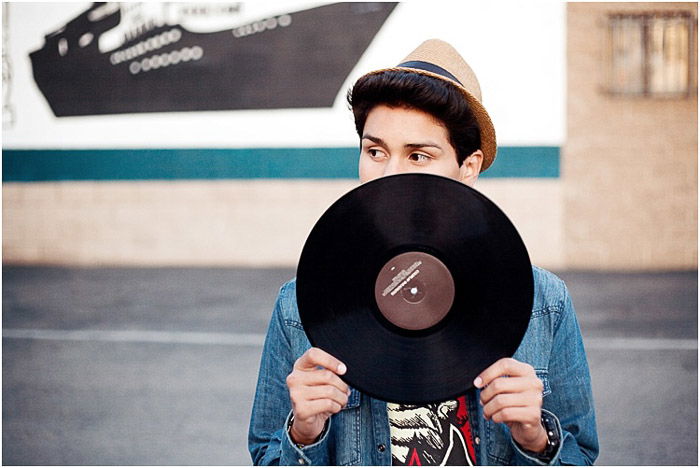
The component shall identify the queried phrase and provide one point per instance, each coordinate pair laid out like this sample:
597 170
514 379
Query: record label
414 290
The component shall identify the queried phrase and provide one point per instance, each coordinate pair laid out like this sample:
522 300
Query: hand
316 392
512 394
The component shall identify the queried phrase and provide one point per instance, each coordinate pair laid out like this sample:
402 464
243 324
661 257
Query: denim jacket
359 433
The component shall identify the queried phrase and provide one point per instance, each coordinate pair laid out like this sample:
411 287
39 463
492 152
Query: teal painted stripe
525 161
250 163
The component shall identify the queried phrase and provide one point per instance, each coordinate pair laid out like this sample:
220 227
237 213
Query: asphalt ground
158 366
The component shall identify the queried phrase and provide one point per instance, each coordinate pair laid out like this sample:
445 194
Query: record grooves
416 282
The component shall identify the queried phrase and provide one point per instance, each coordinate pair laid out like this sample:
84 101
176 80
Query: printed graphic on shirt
434 434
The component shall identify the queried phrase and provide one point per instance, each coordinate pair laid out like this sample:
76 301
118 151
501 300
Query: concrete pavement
158 366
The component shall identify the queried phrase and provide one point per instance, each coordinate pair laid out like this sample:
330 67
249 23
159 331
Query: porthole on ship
296 59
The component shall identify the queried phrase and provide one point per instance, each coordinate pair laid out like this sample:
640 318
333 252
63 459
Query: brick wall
261 223
241 222
629 164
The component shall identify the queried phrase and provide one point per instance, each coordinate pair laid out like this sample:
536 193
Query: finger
314 357
328 392
313 408
315 377
511 385
511 400
523 415
505 366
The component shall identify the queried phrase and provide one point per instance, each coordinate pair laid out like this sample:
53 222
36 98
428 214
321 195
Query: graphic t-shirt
433 434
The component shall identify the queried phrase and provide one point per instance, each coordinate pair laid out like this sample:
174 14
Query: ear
470 168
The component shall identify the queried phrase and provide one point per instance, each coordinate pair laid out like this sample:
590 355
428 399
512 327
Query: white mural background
516 48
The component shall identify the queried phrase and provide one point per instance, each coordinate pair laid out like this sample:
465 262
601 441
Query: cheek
446 168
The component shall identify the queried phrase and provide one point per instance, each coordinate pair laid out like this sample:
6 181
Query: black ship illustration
130 58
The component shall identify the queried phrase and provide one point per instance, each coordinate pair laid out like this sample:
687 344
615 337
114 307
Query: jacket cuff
314 454
524 458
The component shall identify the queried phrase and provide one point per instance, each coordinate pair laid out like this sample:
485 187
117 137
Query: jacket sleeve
571 400
268 441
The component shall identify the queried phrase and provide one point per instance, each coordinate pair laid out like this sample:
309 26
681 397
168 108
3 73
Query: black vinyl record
417 283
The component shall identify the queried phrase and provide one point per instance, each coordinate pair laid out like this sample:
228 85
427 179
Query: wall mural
117 58
8 111
253 89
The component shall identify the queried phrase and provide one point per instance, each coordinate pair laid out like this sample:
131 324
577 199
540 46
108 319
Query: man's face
399 140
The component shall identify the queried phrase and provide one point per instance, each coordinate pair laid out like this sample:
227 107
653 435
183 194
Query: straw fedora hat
440 60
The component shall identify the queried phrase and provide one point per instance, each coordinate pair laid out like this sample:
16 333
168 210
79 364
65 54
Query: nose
392 167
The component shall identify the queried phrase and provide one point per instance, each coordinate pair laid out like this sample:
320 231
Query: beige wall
629 165
220 223
244 223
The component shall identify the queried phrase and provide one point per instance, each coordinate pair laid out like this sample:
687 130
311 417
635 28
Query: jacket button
477 440
381 447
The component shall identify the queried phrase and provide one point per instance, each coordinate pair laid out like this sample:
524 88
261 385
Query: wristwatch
553 439
289 431
301 446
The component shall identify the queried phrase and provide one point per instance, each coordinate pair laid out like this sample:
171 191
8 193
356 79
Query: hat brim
486 129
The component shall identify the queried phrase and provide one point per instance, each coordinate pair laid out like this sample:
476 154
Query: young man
536 408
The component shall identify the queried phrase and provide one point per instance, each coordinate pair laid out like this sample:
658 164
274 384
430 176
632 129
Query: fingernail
342 369
478 382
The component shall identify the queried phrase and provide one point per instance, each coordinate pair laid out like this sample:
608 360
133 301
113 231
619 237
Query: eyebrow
379 141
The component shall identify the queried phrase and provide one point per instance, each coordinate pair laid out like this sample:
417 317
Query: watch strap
550 426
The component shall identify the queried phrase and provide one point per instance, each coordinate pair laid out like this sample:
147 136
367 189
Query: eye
375 153
419 158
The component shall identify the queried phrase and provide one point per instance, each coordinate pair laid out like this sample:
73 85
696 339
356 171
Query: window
651 54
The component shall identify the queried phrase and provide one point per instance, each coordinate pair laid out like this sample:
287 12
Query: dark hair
397 88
